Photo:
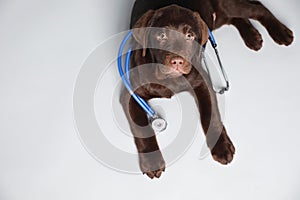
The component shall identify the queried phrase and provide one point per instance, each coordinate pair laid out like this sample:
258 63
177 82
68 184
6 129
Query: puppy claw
154 174
150 175
158 174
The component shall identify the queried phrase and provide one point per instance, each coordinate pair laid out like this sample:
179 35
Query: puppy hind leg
248 32
256 10
278 31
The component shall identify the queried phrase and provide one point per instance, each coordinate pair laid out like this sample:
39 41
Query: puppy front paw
224 150
281 34
152 164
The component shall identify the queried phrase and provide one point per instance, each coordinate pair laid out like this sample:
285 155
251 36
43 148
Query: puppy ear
140 31
202 25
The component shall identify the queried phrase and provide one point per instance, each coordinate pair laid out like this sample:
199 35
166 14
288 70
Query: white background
42 47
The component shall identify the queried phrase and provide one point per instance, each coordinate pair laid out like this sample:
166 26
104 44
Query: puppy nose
177 62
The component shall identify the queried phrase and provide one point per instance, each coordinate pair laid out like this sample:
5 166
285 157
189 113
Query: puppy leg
217 139
150 158
256 10
250 35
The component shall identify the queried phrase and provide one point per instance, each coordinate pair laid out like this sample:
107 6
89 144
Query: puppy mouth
174 67
169 72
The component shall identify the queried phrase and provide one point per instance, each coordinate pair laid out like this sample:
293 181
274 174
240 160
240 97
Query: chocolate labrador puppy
168 35
217 13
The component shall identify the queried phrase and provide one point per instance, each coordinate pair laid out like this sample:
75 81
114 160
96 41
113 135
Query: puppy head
174 35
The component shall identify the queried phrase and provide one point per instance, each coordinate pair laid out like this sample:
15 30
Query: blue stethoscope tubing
125 76
159 123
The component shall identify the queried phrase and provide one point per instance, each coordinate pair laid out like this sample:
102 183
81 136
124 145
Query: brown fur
151 83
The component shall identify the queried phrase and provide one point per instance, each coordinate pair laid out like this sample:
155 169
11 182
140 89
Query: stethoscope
158 123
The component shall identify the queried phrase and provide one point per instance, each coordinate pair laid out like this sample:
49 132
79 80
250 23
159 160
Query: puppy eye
162 36
189 36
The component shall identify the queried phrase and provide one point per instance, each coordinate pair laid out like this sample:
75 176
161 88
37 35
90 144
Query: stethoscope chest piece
158 124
